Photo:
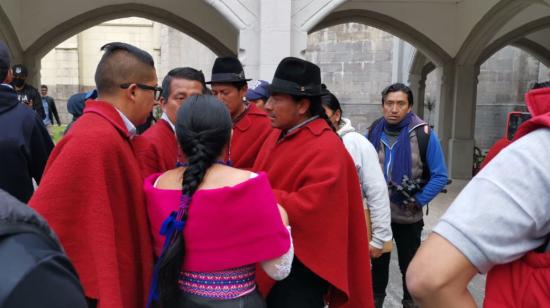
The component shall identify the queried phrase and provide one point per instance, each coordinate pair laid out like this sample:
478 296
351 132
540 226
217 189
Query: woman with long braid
219 222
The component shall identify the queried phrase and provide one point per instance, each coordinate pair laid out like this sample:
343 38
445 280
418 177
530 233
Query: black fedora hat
297 77
227 69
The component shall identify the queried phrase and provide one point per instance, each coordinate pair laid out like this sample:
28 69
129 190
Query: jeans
407 240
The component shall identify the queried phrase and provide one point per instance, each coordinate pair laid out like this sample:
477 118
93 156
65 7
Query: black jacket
35 270
25 146
52 110
32 94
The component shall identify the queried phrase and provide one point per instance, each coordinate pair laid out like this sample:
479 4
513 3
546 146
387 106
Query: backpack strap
423 139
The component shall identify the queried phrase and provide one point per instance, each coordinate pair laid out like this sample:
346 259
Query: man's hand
375 252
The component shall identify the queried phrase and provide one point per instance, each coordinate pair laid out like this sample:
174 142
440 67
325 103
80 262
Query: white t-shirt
504 212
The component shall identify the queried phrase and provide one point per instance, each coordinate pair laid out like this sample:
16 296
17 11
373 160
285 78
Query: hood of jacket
345 127
8 98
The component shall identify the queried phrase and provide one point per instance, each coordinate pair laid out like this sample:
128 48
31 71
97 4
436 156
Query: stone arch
7 34
93 17
536 50
391 25
516 36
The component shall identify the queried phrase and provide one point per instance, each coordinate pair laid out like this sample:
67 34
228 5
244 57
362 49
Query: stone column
461 144
416 84
275 35
445 107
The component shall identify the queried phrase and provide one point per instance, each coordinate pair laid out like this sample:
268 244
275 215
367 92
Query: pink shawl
226 228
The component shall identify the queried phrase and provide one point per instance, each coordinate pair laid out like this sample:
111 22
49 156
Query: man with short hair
26 93
25 143
163 152
410 156
251 126
92 193
50 110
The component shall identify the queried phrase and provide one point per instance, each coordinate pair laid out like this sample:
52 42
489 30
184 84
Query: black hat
4 56
19 70
227 69
297 77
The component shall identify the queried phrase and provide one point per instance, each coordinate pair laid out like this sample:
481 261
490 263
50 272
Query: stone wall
356 65
70 67
503 80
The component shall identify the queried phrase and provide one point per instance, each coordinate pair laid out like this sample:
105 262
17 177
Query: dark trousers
301 289
407 240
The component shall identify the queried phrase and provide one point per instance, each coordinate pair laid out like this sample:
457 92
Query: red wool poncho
315 180
162 153
91 195
249 133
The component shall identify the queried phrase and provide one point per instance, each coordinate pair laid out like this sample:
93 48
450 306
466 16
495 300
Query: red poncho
162 153
249 133
91 195
315 180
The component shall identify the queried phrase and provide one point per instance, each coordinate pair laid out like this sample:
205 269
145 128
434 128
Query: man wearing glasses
91 192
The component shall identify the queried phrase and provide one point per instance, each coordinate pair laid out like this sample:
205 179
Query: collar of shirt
293 129
167 119
129 126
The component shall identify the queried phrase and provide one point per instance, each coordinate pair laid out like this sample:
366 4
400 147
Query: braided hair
203 130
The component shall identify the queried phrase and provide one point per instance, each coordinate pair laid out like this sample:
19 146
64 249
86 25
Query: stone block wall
356 65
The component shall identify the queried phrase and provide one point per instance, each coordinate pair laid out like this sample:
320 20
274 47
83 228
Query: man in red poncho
315 180
250 125
163 153
91 193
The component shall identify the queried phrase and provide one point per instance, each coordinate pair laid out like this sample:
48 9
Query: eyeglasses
156 90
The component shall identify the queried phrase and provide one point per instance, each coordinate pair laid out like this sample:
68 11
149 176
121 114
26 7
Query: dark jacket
25 146
35 270
32 94
52 110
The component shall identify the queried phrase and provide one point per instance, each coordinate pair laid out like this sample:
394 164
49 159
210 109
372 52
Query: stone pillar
445 107
461 144
416 84
275 35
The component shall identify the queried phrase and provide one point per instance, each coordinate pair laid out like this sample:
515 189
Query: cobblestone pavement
437 207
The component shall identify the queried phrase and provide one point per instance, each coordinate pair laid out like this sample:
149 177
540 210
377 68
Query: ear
162 102
242 92
338 115
303 106
130 93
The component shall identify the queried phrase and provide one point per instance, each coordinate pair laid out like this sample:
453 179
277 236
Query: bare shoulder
170 179
222 176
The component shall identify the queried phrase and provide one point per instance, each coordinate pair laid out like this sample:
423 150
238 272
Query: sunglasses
156 90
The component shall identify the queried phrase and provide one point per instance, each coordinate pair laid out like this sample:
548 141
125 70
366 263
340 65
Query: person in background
250 125
76 104
373 185
50 110
408 152
25 143
258 93
26 93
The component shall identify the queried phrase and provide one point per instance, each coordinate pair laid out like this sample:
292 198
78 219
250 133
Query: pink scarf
226 228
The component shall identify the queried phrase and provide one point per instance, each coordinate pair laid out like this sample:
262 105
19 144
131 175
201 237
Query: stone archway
466 70
61 32
7 34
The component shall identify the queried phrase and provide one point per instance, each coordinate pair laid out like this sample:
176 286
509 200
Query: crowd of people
251 194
